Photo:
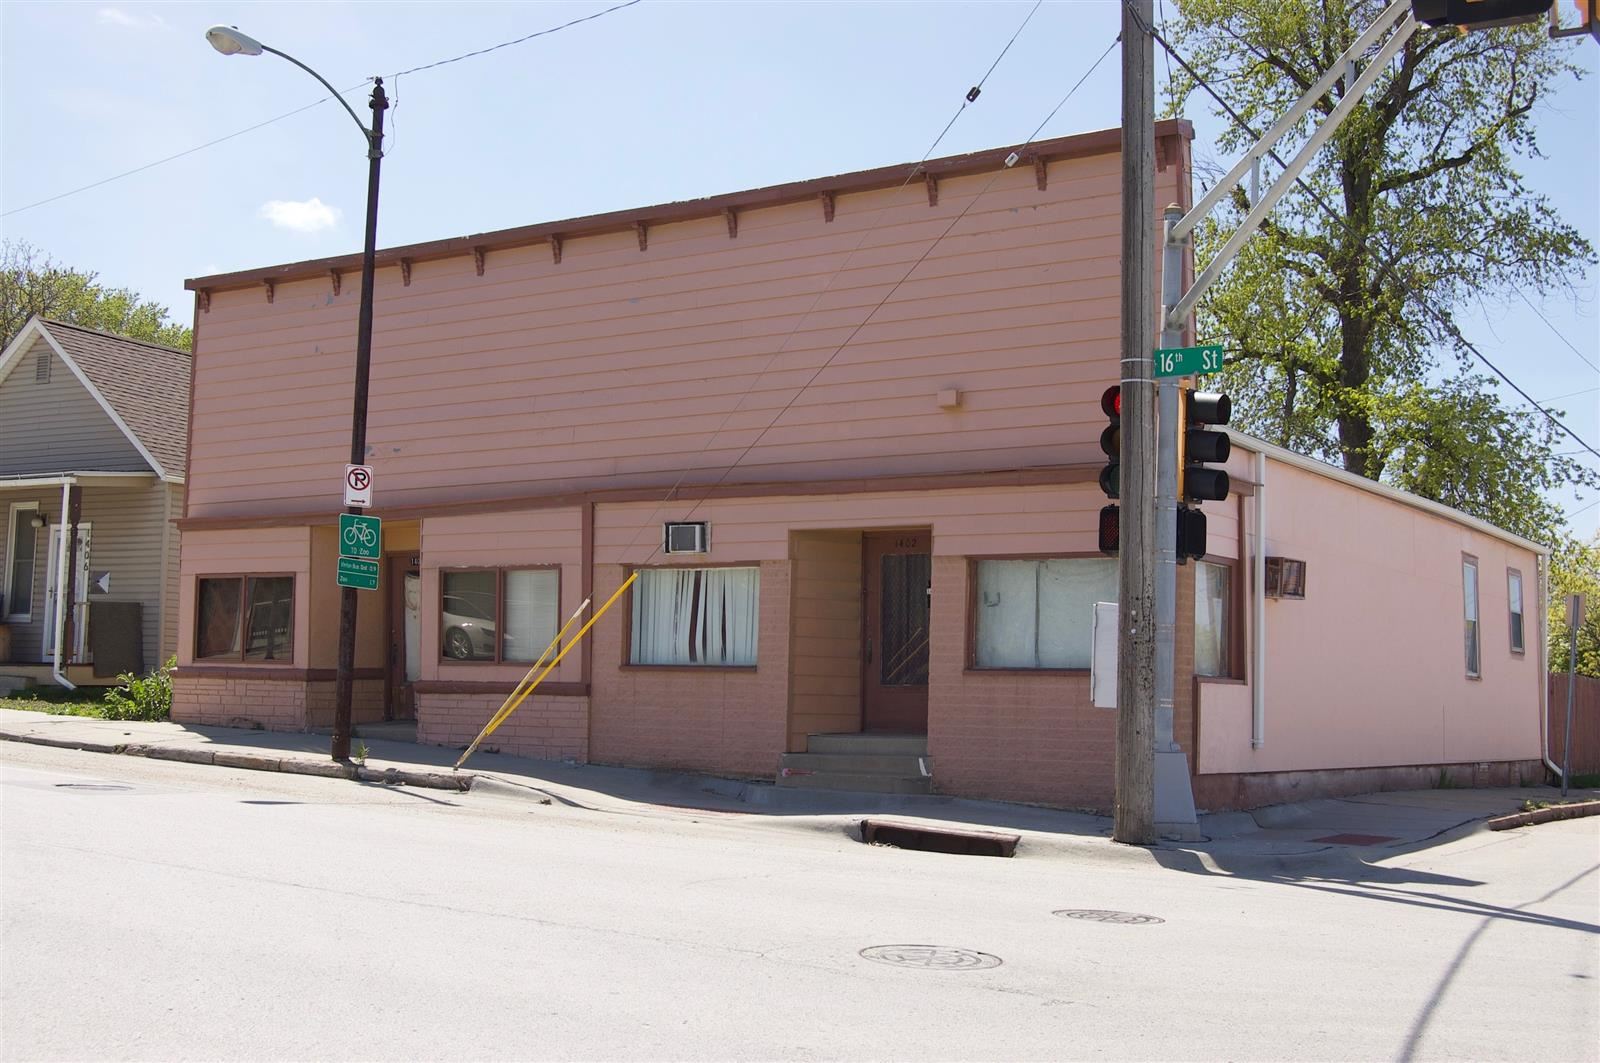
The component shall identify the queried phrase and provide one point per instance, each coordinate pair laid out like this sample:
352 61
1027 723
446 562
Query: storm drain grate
92 786
930 957
1100 915
938 839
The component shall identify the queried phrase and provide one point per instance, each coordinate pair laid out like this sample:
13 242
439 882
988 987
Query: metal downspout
1258 685
1544 660
67 546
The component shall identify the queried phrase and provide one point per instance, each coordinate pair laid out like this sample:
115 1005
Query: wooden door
405 648
898 569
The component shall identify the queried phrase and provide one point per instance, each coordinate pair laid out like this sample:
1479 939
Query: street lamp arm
372 143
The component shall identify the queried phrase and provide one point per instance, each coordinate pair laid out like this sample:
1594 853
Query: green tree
1575 569
1335 324
31 283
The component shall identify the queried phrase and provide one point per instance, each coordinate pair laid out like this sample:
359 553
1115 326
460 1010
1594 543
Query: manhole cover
930 957
91 786
1097 915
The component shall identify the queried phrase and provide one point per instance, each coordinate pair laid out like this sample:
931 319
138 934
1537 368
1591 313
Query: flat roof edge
1077 145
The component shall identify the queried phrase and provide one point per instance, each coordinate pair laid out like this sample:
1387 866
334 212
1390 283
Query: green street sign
360 536
362 575
1186 361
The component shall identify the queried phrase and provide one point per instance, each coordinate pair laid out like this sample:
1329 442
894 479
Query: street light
229 41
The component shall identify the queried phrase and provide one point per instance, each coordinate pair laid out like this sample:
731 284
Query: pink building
875 403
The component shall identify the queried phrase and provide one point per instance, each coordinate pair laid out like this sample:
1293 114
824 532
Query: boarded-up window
1040 613
247 618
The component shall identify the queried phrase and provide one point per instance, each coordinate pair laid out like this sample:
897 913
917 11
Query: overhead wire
706 491
1443 319
307 107
1551 326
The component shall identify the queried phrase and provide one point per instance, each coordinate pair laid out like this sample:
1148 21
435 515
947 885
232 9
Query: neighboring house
93 440
880 397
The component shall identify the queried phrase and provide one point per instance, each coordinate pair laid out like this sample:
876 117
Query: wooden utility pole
1135 778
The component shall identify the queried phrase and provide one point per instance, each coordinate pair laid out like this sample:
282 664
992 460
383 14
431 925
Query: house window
1469 594
1039 613
498 614
1211 615
20 547
1514 596
696 616
245 618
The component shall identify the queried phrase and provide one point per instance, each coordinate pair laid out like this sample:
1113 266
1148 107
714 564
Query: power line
728 469
973 93
307 107
1551 326
1444 320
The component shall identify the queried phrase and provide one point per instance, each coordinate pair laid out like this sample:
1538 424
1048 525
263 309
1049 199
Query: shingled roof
144 384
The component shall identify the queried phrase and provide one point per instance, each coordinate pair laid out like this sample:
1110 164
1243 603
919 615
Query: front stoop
864 763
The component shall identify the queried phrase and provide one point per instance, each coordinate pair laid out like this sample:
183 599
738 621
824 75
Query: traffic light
1198 447
1478 14
1110 529
1111 441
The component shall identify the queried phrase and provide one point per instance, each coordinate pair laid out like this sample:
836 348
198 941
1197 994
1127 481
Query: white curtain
531 611
1040 614
696 616
1210 619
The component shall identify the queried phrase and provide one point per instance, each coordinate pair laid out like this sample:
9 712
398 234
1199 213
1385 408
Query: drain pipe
1544 661
67 545
1258 687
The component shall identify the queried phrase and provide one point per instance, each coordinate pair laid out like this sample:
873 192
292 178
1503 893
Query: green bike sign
1187 361
360 536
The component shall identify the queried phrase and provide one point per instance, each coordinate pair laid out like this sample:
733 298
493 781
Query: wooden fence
1585 722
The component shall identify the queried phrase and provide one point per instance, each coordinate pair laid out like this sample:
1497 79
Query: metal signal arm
1398 14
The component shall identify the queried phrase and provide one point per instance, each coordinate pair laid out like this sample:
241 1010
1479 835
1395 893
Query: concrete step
895 764
885 744
855 781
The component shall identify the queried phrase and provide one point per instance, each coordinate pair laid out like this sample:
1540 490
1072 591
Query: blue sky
661 101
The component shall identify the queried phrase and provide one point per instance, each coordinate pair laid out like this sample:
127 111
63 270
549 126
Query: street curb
1549 813
328 769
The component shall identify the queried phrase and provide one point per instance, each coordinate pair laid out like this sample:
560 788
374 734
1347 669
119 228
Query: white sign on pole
1575 606
1103 658
358 485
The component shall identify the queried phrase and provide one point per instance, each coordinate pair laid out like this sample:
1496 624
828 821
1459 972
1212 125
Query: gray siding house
93 449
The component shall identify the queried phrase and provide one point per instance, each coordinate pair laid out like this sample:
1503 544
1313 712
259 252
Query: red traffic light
1111 401
1110 530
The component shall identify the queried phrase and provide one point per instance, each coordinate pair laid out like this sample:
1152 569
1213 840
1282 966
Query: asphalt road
154 910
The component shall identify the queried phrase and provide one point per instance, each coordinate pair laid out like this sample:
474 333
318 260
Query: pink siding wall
1369 669
243 551
620 367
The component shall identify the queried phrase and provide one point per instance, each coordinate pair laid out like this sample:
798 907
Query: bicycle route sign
354 572
360 548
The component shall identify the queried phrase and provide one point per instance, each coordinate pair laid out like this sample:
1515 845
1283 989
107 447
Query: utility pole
1134 821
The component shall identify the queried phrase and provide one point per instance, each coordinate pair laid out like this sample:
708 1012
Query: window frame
1520 613
16 511
499 612
240 632
1468 561
1230 628
972 666
627 619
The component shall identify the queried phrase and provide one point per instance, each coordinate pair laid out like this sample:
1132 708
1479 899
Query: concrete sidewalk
1366 827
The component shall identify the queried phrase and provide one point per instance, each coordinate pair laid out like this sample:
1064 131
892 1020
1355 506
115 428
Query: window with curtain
20 546
1040 613
505 615
1212 585
245 618
1514 595
1469 595
696 616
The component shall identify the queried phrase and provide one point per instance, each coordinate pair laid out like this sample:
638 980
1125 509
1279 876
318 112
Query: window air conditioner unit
686 537
1286 578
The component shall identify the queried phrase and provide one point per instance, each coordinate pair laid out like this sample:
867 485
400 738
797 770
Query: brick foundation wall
1009 736
366 702
549 728
273 704
719 721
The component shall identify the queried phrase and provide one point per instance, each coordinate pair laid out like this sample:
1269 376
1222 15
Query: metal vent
686 537
41 367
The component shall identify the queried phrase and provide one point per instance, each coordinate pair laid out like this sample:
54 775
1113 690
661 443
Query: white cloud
114 16
309 216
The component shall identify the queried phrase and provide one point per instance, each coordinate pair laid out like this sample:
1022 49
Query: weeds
142 698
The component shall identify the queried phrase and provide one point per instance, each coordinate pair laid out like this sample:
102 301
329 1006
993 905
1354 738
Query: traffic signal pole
1134 811
1174 796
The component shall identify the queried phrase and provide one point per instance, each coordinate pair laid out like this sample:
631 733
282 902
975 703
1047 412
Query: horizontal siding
252 550
57 426
618 367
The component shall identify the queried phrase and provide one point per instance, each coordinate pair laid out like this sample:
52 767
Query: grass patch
58 701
